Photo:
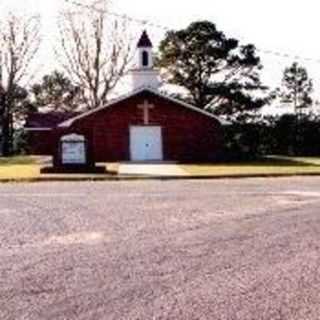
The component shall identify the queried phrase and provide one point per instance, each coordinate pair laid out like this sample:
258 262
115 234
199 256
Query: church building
143 125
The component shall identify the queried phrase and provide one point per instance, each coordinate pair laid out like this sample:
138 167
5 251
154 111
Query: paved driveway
231 249
152 169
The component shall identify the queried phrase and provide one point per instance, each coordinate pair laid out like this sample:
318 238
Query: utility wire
145 23
119 15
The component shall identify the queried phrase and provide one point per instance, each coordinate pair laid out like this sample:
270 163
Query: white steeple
143 74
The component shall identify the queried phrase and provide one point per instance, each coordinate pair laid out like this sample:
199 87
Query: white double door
146 143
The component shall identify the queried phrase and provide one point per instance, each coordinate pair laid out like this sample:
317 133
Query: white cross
146 107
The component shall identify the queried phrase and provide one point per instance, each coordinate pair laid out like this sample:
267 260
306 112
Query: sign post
73 150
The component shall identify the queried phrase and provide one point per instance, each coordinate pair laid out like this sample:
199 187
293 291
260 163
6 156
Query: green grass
17 160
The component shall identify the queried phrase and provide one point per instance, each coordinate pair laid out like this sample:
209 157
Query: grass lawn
27 167
19 167
19 172
272 165
18 160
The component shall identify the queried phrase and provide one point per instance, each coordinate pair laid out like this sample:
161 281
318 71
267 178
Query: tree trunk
6 137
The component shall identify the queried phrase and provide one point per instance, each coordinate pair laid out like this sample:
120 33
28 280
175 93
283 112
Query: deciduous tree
95 52
19 43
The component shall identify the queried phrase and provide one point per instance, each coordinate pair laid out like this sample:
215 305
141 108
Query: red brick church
143 125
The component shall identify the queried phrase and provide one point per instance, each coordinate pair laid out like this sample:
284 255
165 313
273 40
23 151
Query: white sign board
73 150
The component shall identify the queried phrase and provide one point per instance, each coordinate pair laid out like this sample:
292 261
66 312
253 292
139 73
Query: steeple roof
144 41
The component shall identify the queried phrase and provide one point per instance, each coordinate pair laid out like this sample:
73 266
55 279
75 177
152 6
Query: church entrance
146 143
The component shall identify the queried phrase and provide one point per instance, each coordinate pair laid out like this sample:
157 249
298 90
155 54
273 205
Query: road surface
223 249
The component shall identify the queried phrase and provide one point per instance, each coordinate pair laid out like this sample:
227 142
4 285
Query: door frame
130 141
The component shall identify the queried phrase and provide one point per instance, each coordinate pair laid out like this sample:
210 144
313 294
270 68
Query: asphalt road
229 249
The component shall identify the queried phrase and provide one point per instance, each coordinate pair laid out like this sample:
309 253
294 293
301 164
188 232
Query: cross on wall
146 107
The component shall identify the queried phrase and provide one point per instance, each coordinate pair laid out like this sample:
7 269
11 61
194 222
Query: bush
248 141
20 145
287 135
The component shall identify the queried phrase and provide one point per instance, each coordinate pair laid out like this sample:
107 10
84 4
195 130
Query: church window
145 59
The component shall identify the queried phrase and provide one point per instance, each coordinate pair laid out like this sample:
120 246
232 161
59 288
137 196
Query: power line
288 56
145 23
119 15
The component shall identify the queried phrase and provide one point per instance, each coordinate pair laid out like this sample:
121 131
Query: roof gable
114 102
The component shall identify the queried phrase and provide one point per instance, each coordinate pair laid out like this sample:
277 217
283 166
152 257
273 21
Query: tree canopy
95 52
296 87
217 71
56 92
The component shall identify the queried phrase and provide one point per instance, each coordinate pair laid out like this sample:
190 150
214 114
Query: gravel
229 249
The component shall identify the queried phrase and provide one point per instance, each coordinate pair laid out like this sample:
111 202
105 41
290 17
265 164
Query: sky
286 26
290 27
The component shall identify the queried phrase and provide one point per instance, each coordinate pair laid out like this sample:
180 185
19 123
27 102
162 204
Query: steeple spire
144 41
144 74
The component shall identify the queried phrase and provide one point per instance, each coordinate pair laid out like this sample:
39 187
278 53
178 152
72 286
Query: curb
114 178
